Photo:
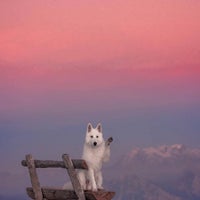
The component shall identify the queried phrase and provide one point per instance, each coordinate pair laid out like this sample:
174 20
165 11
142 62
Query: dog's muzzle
95 143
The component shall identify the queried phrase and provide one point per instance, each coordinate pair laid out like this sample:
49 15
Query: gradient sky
134 66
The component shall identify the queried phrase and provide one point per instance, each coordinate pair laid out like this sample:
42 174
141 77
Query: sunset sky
133 65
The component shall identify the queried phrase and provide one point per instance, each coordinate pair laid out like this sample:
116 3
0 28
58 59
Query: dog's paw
100 188
109 140
94 189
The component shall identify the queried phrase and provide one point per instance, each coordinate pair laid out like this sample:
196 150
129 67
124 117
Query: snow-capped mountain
167 172
168 158
176 150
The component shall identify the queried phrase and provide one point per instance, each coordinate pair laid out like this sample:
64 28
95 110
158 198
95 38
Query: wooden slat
99 195
54 194
73 177
60 194
78 164
34 178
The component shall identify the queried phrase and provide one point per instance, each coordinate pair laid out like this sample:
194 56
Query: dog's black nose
95 143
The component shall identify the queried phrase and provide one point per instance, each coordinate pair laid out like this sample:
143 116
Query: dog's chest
94 157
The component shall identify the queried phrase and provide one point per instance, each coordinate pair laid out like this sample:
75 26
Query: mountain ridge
170 171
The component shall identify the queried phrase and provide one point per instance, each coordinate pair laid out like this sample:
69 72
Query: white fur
95 152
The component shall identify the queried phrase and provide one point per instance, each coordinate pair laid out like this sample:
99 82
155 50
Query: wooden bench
43 193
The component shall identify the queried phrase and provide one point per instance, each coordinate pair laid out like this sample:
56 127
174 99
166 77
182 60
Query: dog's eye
91 136
97 136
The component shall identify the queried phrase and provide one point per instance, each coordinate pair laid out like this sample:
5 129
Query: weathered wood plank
54 194
73 177
78 164
60 194
34 178
99 195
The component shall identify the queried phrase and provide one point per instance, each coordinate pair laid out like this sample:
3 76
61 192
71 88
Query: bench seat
63 194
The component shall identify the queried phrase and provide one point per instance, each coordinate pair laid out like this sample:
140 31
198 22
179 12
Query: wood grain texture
60 194
34 178
78 164
73 177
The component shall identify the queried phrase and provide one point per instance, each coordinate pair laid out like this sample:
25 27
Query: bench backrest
66 162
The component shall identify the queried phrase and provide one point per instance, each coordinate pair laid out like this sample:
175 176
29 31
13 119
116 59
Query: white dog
95 152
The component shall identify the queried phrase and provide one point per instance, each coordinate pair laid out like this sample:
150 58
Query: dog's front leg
92 179
82 179
99 180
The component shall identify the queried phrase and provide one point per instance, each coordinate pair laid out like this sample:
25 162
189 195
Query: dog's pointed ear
99 127
89 127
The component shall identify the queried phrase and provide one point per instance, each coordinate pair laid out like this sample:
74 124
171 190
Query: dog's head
94 136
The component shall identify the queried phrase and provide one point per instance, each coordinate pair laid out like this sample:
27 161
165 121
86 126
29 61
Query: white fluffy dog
95 152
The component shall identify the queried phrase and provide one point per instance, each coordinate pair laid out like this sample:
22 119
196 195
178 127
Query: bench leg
34 178
73 176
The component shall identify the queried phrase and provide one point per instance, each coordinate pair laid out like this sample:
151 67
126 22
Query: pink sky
144 50
145 33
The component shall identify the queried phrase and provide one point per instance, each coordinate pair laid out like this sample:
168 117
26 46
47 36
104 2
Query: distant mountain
174 159
164 172
135 188
165 152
